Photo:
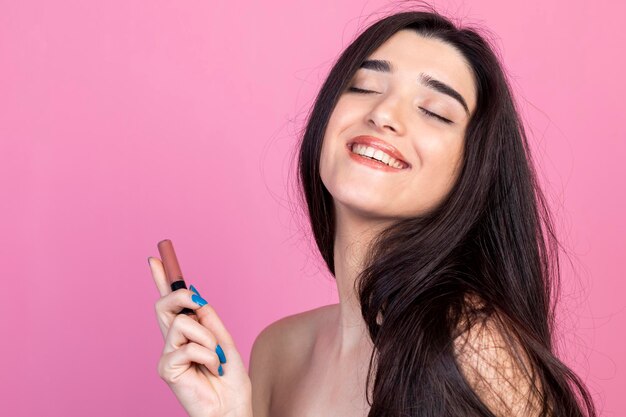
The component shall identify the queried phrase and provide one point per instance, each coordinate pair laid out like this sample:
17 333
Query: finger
184 329
158 274
207 316
183 358
172 303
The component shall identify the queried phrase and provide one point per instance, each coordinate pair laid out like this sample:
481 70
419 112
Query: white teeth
376 154
380 155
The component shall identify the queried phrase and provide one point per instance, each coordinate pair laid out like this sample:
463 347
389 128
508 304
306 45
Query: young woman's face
392 116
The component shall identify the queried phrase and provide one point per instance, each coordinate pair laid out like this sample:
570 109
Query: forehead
411 53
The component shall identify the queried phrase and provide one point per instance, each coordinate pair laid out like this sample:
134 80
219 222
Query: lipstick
377 143
172 269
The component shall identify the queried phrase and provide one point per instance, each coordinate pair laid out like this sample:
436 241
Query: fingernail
198 300
192 288
220 370
149 260
220 354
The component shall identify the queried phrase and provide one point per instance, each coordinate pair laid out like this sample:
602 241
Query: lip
380 144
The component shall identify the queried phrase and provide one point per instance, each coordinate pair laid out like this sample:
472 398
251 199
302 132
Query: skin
315 363
327 350
189 363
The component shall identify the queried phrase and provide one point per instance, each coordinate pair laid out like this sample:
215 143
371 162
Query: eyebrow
424 79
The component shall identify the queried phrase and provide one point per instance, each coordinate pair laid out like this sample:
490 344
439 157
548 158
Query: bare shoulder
281 348
498 369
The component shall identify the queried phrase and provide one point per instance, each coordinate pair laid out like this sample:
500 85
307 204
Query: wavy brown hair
491 238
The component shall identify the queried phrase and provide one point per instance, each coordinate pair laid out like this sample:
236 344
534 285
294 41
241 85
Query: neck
352 238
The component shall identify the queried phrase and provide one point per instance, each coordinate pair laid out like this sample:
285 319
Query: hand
189 363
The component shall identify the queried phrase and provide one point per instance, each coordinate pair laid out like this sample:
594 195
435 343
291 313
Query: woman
424 205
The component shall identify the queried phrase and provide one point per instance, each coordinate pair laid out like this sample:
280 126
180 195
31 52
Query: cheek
341 118
449 165
329 147
441 158
441 149
344 113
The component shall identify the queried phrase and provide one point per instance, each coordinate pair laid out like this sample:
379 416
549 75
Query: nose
386 114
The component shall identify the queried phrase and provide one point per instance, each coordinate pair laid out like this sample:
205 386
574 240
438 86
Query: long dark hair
492 237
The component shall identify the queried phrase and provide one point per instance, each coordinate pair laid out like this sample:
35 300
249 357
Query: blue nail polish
220 354
198 300
220 370
192 288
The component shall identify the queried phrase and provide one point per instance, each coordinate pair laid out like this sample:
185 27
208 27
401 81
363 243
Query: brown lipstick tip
170 262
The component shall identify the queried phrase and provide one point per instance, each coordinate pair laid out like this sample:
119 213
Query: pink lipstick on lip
378 144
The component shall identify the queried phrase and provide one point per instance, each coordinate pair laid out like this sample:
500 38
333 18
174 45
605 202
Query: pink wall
126 122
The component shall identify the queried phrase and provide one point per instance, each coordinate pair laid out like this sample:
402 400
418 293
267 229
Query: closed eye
426 112
360 90
431 114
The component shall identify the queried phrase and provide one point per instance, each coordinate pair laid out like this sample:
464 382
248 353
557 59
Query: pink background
126 122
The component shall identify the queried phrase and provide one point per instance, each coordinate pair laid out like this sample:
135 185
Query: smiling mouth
376 155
